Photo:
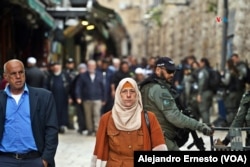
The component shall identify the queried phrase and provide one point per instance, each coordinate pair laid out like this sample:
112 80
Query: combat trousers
205 105
232 102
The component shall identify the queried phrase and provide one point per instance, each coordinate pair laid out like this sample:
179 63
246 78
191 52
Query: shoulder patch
166 102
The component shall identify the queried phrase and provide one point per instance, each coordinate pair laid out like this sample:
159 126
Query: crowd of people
143 103
87 91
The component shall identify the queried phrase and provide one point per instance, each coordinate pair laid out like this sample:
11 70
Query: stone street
74 150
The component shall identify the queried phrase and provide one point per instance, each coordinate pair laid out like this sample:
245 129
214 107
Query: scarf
127 118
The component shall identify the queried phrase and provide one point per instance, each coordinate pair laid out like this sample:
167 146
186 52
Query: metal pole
146 38
224 35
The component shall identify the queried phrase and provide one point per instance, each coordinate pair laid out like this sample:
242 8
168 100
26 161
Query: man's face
91 67
105 66
56 68
151 62
70 65
163 73
15 75
139 77
235 59
125 68
128 96
202 64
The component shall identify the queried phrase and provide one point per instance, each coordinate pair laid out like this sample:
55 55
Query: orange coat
115 147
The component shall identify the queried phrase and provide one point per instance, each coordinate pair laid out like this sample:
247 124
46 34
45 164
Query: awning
39 8
108 24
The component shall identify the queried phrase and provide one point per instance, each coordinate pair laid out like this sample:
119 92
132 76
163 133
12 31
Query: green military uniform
206 95
156 97
242 117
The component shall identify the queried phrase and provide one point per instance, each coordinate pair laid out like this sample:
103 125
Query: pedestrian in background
205 94
140 75
34 76
159 96
91 94
192 102
232 94
124 130
123 72
72 73
28 122
58 83
81 68
107 76
150 66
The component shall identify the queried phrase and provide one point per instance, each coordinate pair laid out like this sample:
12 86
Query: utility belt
29 155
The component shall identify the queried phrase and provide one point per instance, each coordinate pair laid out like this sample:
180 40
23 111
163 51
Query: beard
167 79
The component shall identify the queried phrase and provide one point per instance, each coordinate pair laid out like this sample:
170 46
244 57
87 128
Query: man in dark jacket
90 92
107 76
28 122
34 76
58 83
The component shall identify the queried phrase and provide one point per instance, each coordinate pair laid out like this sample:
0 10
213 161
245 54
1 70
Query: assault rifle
197 141
183 134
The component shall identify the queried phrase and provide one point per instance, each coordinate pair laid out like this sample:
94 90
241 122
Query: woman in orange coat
124 129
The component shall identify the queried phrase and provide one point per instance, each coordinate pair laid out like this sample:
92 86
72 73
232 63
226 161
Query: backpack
214 80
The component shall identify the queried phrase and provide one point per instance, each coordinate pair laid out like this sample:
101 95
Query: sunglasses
168 71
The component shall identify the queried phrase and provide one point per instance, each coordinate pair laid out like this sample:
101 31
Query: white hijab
127 118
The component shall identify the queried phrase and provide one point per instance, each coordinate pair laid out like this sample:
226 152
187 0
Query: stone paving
74 150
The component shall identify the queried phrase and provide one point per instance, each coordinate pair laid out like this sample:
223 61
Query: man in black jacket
34 76
90 92
28 122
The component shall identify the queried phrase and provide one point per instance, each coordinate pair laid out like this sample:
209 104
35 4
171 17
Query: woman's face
128 96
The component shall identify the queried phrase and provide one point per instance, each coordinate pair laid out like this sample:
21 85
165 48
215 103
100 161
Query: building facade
157 27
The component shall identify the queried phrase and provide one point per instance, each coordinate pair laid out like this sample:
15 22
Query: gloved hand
206 130
226 141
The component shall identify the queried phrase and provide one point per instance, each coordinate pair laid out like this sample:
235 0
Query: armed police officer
241 119
158 96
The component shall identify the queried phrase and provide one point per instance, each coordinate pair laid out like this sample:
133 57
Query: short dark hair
234 55
205 61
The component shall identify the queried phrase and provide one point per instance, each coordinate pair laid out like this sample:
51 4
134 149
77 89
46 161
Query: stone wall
186 30
242 29
192 30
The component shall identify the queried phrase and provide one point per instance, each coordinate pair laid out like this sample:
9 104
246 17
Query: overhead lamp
85 23
90 27
71 22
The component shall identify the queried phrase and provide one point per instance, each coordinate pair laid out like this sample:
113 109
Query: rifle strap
148 125
147 121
